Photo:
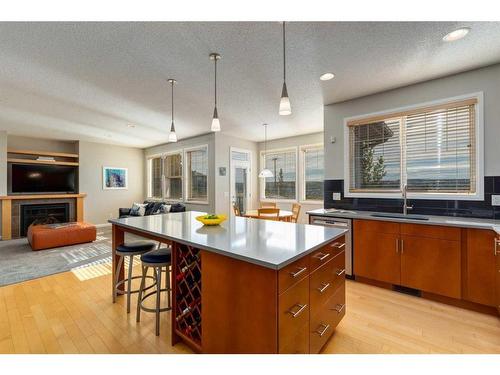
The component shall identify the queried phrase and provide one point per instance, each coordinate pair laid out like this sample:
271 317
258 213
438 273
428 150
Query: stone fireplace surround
11 209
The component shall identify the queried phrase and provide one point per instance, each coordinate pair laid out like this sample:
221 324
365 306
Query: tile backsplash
479 209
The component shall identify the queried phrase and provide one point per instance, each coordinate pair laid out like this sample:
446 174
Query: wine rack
187 304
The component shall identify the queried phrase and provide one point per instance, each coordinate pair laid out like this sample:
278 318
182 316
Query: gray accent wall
100 204
486 80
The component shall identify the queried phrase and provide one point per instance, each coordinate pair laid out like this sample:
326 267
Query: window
154 172
431 150
283 164
197 174
313 165
172 170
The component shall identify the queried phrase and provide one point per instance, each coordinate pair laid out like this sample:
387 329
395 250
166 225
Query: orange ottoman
55 235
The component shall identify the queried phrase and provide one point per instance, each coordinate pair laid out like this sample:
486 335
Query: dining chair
236 210
269 213
267 204
295 212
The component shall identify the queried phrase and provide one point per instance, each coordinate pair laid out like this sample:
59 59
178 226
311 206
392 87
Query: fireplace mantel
6 202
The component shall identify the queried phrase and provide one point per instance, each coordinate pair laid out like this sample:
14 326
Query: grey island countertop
451 221
271 244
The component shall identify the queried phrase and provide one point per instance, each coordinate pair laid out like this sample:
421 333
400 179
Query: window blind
440 150
173 176
431 150
155 182
198 173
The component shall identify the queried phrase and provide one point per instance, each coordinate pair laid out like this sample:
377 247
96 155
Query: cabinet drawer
327 252
293 273
378 226
325 281
323 324
431 231
293 319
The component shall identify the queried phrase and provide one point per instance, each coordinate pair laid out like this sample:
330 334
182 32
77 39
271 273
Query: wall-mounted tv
39 178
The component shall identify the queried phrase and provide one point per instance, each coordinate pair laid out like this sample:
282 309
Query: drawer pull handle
496 251
324 287
321 257
340 272
339 245
299 311
297 273
323 331
339 308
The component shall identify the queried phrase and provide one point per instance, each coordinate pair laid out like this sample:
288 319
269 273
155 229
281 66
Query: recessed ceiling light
456 35
326 76
131 126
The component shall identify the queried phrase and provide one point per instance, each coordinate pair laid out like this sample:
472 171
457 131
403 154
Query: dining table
284 215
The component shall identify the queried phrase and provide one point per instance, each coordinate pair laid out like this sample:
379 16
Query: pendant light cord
215 86
284 54
172 83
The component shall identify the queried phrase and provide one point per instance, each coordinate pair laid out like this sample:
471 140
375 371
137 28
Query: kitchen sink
400 216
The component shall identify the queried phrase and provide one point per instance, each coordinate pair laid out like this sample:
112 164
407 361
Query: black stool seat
136 246
162 255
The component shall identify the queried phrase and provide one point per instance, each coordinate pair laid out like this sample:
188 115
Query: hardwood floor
72 312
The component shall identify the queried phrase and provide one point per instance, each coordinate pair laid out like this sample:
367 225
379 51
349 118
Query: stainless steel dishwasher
342 223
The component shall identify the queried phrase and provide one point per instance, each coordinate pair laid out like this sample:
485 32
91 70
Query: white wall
223 144
486 80
301 140
102 204
207 139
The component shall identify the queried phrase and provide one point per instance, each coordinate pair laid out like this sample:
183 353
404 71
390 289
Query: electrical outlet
336 196
495 200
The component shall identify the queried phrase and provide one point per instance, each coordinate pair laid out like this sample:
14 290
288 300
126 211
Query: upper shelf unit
41 157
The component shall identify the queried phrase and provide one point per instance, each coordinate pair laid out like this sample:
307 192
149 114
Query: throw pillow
138 209
165 208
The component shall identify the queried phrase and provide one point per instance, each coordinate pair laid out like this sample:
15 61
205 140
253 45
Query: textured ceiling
88 81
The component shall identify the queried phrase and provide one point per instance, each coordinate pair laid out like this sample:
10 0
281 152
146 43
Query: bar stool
160 260
130 249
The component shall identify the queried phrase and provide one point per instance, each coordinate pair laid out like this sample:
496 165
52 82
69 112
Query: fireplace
49 213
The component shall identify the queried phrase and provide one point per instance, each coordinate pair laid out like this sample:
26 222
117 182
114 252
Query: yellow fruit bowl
206 220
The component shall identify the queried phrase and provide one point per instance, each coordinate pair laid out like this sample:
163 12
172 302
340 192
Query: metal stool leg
129 282
141 290
158 295
115 281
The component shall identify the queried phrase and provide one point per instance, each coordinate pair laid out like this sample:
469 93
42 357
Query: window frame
187 178
262 182
302 172
479 138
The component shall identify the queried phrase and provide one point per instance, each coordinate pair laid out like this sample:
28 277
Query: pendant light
265 173
285 107
215 120
172 137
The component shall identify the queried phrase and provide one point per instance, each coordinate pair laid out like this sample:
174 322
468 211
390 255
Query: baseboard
104 225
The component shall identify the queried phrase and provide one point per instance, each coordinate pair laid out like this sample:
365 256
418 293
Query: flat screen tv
38 178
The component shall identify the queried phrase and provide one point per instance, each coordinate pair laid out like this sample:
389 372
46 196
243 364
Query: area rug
19 263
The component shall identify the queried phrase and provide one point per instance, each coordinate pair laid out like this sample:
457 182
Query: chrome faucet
405 203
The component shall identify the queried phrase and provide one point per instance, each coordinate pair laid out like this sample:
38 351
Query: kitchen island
256 286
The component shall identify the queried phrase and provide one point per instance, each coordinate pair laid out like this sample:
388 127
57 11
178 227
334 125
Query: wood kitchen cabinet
497 255
481 273
376 251
431 265
418 256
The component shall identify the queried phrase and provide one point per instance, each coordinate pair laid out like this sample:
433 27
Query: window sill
196 202
311 202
